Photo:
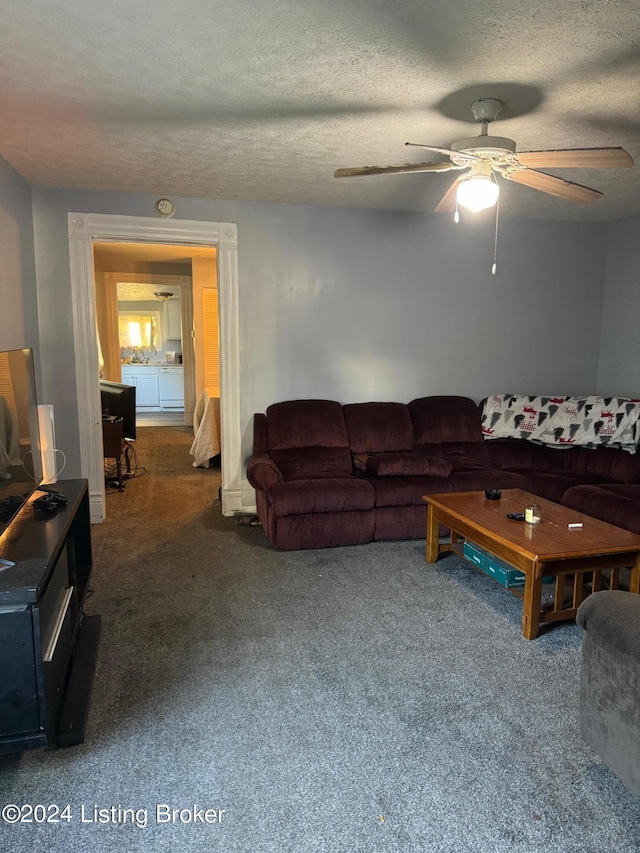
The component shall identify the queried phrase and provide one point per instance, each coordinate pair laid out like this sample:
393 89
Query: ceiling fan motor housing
485 110
494 149
485 146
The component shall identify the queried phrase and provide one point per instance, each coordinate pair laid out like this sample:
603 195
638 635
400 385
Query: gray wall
358 305
18 301
619 371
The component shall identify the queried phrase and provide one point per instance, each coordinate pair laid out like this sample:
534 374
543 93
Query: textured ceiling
132 291
263 99
111 254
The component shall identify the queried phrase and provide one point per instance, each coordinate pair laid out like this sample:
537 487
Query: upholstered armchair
610 681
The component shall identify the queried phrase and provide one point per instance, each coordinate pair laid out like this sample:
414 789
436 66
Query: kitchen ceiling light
162 296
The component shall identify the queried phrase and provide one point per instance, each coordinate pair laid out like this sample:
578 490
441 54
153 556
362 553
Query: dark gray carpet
351 699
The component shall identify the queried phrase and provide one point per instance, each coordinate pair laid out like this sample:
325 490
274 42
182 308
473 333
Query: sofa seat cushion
306 461
327 494
405 464
479 479
378 427
406 491
461 454
616 504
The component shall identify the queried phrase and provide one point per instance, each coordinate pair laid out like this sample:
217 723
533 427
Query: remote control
46 505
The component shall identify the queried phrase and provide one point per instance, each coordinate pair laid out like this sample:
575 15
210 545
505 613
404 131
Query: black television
119 401
21 463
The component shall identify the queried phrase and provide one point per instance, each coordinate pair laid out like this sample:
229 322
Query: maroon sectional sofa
327 474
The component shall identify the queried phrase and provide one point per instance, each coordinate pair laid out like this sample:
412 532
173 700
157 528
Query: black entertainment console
48 647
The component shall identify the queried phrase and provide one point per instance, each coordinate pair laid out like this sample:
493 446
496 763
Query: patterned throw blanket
561 421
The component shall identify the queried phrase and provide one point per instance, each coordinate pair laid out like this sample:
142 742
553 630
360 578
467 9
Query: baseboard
231 505
249 510
96 508
232 502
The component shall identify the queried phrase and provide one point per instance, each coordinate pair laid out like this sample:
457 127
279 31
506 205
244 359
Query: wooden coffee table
537 550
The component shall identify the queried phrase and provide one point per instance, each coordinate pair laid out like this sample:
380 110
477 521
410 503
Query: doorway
84 231
152 348
163 286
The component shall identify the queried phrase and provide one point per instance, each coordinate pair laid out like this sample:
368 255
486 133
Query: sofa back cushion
620 466
378 427
408 464
460 454
306 423
519 453
439 419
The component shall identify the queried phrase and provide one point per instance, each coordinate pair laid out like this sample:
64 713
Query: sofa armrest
262 472
613 615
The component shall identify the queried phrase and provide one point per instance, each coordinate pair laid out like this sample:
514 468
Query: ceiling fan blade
447 151
447 203
576 158
554 186
394 170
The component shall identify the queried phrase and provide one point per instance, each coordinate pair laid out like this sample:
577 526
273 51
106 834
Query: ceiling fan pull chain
456 215
494 268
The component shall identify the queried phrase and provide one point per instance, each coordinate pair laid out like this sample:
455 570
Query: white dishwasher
171 382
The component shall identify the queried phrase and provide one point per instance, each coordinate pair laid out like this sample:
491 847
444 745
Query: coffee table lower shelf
570 588
577 569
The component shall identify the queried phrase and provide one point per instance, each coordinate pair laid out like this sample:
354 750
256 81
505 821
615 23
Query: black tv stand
48 646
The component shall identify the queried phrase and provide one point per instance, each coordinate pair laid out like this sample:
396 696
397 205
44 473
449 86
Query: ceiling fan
485 157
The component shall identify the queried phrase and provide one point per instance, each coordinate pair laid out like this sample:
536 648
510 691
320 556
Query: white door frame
84 228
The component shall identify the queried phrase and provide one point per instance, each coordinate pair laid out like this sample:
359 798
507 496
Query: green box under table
505 574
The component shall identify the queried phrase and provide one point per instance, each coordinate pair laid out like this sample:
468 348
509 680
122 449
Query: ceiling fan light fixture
478 191
162 296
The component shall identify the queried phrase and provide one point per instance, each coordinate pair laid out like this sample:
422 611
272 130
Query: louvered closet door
205 321
211 342
6 387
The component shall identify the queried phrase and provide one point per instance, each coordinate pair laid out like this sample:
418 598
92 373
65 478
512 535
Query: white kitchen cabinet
145 379
147 391
171 386
173 319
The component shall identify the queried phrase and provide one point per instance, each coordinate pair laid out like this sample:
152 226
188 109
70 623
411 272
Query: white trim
84 228
229 319
188 354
